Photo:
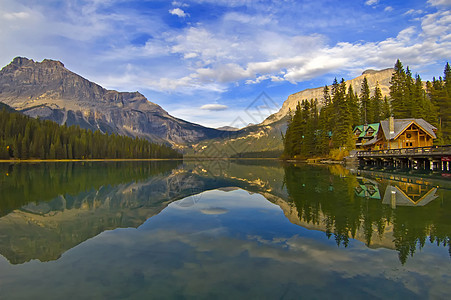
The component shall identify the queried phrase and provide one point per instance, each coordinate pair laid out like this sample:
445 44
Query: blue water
222 243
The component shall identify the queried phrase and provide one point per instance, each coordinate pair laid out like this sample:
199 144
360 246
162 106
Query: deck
434 157
434 151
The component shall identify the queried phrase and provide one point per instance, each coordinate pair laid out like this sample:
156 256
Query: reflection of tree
330 202
28 183
412 226
343 214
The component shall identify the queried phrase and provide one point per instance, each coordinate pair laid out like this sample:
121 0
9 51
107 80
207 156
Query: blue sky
207 61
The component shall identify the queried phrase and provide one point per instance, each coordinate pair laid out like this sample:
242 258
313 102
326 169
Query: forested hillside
312 132
22 137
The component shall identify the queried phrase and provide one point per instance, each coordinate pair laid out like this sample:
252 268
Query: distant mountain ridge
50 91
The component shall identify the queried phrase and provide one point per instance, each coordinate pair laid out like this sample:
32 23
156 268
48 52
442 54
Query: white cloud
413 12
248 19
214 107
388 8
179 4
178 12
210 56
440 2
372 2
301 58
16 15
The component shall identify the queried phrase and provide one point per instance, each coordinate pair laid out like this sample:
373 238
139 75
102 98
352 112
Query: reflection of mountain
48 209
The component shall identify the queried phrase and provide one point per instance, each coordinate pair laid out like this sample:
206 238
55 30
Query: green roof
374 126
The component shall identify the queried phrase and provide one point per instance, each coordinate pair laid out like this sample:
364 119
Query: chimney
391 125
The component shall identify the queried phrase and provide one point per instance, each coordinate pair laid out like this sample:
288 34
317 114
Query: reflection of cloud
213 107
181 253
214 211
371 2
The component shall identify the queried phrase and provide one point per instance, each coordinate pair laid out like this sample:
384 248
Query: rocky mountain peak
19 61
25 62
50 91
374 77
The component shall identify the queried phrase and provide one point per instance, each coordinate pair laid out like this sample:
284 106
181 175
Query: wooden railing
419 151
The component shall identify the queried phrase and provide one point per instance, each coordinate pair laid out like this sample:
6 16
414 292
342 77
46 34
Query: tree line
328 131
22 137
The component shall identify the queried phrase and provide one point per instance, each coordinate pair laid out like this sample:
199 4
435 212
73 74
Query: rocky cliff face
50 91
373 77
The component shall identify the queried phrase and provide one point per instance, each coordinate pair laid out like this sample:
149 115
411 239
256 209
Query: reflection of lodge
408 194
396 193
367 189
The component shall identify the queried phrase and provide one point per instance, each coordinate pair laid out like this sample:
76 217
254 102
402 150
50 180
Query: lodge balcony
433 158
432 152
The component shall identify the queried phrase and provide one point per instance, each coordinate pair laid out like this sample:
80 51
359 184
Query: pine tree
325 122
376 105
342 131
409 95
365 105
398 92
353 101
439 92
386 109
446 110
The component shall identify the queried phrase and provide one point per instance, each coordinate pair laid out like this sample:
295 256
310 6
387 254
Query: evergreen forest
328 131
22 137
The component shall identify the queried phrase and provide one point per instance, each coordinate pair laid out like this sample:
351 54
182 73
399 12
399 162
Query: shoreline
325 161
84 160
126 159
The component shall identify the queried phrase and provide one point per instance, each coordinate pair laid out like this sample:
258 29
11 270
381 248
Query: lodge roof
361 128
403 124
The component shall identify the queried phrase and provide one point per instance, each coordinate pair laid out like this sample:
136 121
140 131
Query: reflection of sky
249 249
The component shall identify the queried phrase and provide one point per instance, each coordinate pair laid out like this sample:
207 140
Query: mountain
50 91
266 137
373 77
6 107
228 128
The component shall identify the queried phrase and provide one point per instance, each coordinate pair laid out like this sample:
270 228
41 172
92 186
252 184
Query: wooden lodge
402 143
395 134
365 133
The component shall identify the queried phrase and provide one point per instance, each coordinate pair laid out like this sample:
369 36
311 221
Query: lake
221 229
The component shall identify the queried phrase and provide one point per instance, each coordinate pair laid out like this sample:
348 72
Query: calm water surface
227 229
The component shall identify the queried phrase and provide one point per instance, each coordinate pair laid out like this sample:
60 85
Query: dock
427 158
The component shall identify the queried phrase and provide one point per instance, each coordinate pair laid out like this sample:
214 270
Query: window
408 135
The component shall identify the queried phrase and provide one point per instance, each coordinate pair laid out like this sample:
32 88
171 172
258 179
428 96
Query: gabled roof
403 124
374 126
359 127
